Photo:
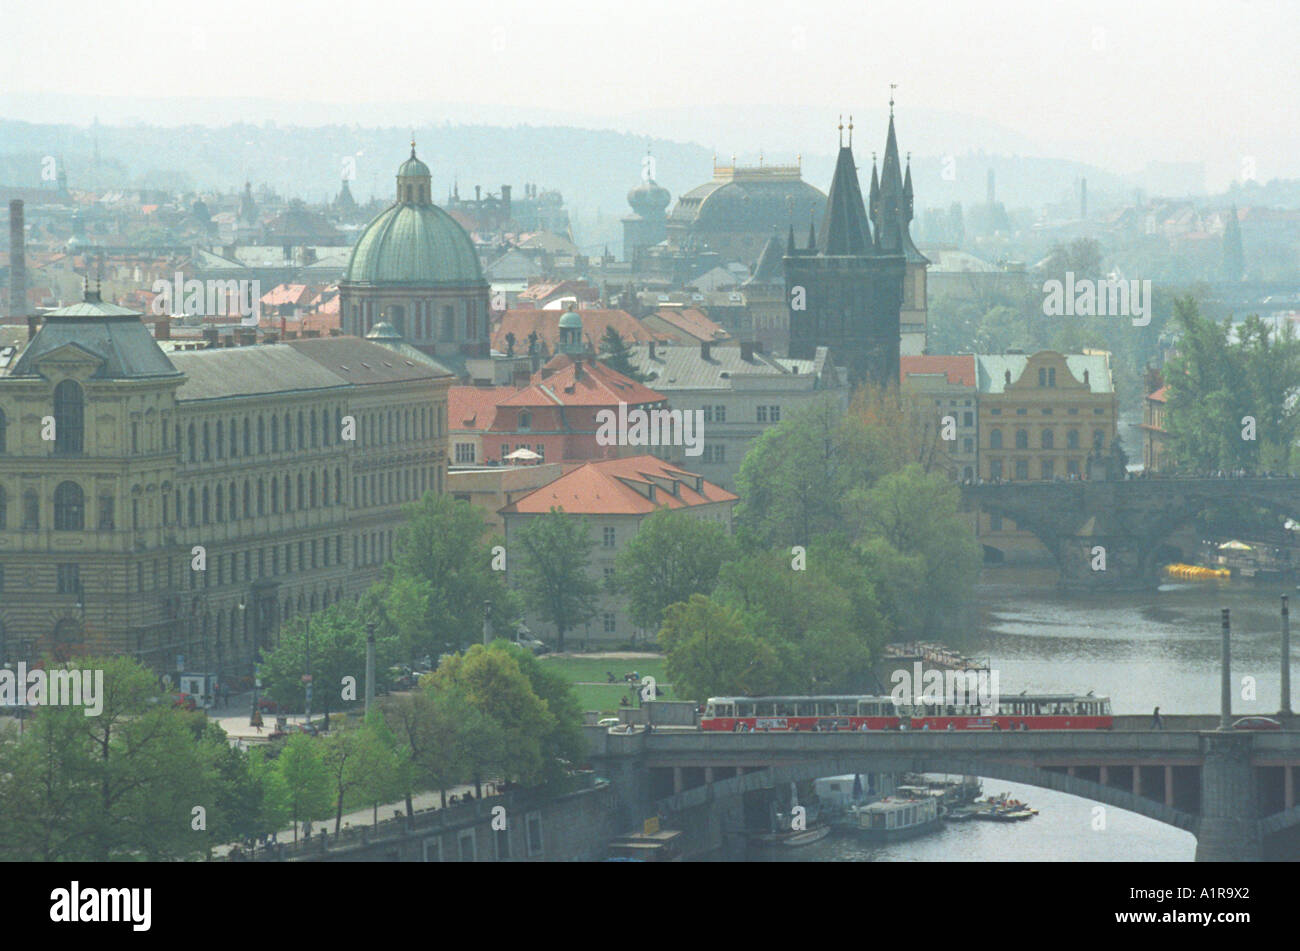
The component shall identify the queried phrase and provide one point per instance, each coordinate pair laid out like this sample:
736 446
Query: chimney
652 349
577 368
478 196
162 330
747 352
505 202
33 324
705 350
17 261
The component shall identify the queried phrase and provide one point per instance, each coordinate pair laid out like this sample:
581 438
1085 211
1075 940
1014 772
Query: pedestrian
257 720
1157 722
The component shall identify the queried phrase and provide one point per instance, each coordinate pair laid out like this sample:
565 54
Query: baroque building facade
415 268
179 508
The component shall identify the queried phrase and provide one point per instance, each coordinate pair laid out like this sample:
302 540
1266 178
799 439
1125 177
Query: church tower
845 290
891 218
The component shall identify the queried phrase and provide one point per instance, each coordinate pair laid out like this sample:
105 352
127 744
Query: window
4 508
611 624
1049 470
1048 439
106 513
1072 467
1072 439
995 439
609 537
995 523
1022 469
762 414
995 411
774 413
505 450
464 452
708 414
69 508
1098 439
720 414
608 574
135 438
69 418
31 511
1022 439
501 838
69 579
968 419
525 421
968 444
2 431
466 846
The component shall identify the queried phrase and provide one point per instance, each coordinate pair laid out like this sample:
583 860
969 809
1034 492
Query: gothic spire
844 228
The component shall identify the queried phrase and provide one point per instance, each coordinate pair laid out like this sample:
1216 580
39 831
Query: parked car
532 644
185 701
607 721
1257 723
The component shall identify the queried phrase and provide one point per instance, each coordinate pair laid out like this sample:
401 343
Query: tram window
805 708
744 709
765 709
845 708
784 708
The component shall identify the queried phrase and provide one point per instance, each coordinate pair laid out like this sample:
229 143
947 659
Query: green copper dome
413 241
570 320
413 244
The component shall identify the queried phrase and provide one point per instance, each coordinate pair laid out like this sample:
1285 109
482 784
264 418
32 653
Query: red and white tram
864 713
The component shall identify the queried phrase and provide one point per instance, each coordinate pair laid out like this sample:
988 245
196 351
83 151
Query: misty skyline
1110 83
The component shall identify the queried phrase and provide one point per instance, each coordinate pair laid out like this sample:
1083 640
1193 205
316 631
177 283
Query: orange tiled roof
621 487
473 407
597 385
692 322
1160 395
960 370
547 324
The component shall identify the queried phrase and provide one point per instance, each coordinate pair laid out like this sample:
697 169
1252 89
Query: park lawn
587 675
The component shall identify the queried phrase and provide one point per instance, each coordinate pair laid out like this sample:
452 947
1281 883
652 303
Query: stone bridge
1128 518
1234 790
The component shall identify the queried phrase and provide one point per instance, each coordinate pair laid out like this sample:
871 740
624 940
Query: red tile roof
692 322
596 385
473 407
1160 395
621 487
960 370
547 324
283 294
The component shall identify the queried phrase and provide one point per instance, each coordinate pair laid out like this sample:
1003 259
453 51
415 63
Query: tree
357 760
921 547
555 573
439 578
336 637
616 355
302 769
491 681
710 651
672 556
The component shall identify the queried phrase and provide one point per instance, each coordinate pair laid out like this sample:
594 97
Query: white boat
892 819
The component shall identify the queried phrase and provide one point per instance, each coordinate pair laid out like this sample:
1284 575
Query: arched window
288 432
1072 439
207 442
995 439
207 511
325 487
191 513
248 498
338 485
1048 439
275 433
230 514
4 515
302 496
311 499
261 436
69 508
194 450
1098 439
261 496
288 494
221 439
301 441
314 431
221 505
275 495
2 431
69 418
1022 439
247 438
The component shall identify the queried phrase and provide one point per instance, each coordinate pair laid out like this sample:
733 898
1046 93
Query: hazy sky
1117 83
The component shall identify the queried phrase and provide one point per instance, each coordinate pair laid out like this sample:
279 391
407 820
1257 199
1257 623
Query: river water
1140 649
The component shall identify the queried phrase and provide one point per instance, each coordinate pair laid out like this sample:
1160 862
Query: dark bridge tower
846 291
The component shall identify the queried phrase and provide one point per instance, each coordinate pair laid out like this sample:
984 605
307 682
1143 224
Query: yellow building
1040 418
179 507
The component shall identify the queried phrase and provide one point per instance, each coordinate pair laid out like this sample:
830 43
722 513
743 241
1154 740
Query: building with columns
415 268
180 507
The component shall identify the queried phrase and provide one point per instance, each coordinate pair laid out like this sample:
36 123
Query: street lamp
487 613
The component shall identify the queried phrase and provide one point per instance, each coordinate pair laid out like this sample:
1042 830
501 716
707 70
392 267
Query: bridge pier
1228 829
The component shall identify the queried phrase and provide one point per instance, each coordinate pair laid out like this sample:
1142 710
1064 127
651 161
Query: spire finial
412 143
850 130
841 130
892 87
